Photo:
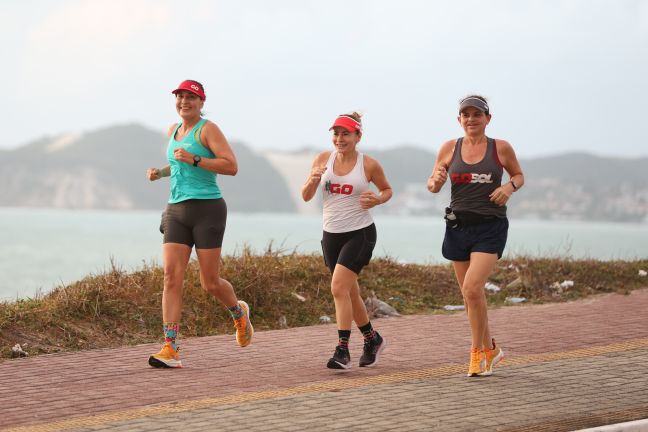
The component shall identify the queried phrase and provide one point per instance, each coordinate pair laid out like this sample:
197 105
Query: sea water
44 248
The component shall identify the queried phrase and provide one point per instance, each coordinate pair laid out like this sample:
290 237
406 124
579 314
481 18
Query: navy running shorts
199 222
351 249
489 237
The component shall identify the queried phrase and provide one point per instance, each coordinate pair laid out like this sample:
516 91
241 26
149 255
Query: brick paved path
568 366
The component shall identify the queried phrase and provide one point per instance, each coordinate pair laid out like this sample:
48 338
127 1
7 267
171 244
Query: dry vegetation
121 308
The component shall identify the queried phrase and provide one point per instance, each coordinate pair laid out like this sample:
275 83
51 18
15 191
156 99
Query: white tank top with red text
341 197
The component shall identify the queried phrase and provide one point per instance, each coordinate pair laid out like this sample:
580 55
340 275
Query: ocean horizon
46 248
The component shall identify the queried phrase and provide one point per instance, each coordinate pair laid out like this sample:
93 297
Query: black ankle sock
343 337
367 331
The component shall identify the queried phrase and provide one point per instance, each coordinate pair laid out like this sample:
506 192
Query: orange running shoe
244 329
166 358
493 356
477 363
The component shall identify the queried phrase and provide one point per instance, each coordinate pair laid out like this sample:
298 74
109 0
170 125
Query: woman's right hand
153 174
438 178
440 174
316 174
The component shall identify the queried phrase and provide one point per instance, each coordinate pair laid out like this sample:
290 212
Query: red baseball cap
193 87
347 123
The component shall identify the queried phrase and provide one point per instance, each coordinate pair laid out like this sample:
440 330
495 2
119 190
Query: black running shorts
195 222
351 249
489 237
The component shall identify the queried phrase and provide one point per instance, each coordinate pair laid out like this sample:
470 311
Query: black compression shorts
195 222
351 249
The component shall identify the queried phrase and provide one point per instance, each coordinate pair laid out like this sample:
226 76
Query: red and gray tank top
473 183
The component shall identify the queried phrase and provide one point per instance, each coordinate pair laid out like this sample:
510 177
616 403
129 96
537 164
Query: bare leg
209 261
175 257
359 309
461 267
342 284
472 276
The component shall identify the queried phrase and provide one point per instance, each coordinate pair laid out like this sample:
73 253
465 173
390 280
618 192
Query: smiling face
345 141
473 121
188 104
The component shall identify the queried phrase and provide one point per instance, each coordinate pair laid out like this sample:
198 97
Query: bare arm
312 182
376 175
212 138
440 172
157 173
507 157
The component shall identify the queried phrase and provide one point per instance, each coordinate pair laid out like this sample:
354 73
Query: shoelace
169 348
369 347
340 352
240 323
475 357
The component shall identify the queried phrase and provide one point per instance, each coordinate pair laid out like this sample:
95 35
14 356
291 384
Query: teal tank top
188 181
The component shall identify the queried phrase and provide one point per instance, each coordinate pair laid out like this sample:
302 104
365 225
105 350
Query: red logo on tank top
471 178
338 188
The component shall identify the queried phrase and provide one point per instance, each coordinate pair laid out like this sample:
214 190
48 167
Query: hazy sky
560 75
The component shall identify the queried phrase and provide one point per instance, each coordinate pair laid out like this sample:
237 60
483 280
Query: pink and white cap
193 87
348 123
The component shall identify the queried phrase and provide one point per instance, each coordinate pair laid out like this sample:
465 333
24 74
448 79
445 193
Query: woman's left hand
369 199
182 155
500 196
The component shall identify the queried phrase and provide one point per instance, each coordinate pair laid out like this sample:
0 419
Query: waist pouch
467 218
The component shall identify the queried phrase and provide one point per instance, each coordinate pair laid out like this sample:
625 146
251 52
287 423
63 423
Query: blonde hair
355 115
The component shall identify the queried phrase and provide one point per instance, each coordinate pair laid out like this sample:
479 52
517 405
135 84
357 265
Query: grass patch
119 308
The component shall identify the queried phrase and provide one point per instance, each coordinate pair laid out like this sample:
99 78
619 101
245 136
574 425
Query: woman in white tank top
349 232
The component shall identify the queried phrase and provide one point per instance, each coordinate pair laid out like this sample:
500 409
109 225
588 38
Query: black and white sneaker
341 359
371 351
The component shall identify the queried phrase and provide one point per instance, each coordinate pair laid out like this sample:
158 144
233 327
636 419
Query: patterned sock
344 336
171 333
368 332
236 311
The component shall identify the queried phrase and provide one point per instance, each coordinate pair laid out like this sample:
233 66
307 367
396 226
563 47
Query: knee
214 286
173 278
473 295
338 289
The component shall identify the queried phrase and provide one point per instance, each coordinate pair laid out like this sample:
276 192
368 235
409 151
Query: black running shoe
341 359
371 351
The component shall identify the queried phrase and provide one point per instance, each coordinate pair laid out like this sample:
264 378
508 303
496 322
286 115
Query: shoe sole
337 366
478 374
498 358
380 350
246 309
157 363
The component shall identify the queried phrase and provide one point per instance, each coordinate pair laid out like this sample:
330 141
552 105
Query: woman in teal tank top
195 216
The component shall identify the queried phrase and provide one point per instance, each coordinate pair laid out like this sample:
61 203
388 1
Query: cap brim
190 91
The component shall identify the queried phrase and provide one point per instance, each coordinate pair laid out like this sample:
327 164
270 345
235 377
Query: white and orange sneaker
477 363
244 329
493 356
166 358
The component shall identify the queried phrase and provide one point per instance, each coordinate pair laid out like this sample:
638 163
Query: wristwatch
515 187
197 159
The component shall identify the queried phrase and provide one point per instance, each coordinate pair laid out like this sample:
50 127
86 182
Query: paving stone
280 382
